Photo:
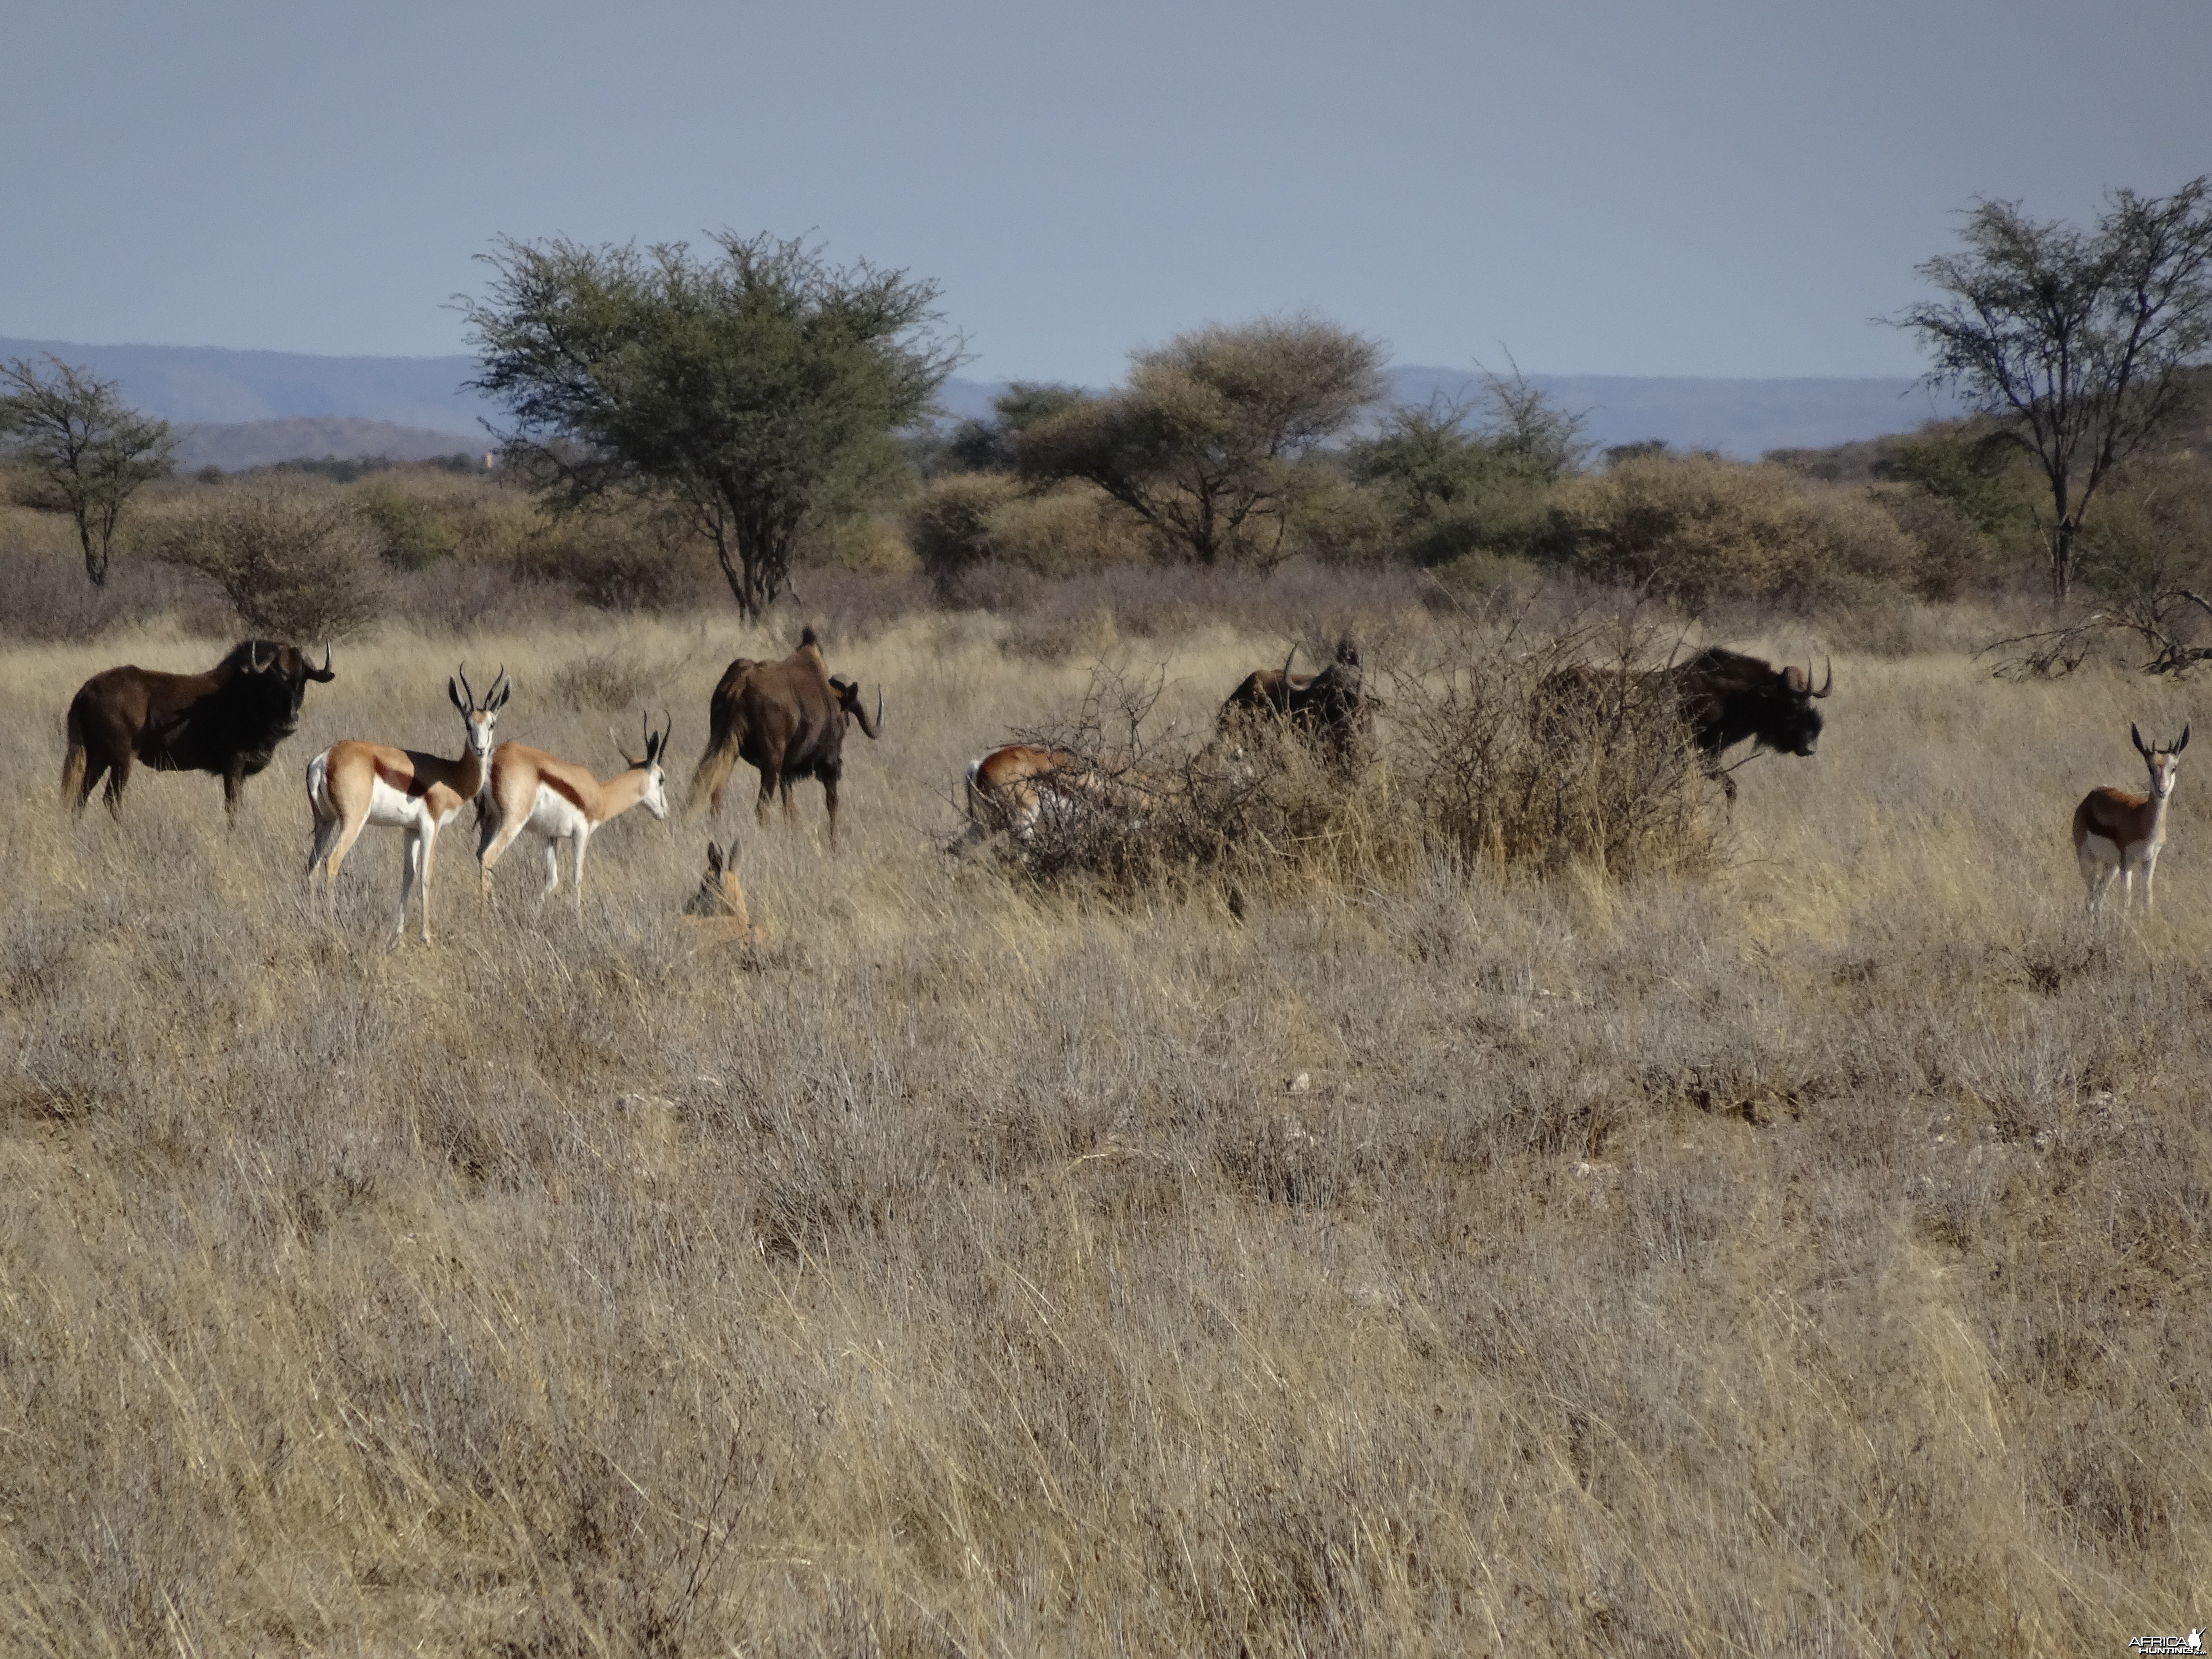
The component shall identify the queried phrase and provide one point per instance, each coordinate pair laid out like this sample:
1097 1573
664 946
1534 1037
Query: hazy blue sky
1720 188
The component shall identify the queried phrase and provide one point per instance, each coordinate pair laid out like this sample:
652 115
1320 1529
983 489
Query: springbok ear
2181 745
2142 748
714 859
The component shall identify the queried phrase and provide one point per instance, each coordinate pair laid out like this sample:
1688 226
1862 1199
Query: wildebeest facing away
1722 696
1331 705
227 721
786 719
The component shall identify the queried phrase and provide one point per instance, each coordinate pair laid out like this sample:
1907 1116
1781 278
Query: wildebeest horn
1827 683
324 674
1288 661
254 663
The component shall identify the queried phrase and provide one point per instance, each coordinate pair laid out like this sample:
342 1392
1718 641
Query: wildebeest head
275 676
848 698
1727 696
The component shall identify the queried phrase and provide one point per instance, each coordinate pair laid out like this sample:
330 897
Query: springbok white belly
394 809
554 816
2099 849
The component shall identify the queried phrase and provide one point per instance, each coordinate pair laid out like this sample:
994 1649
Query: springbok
717 912
2116 834
557 801
352 785
1016 787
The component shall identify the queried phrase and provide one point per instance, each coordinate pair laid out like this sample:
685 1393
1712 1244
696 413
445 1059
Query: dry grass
1806 1258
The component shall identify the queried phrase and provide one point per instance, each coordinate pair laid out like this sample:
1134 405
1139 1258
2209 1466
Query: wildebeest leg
769 778
829 799
83 782
118 773
234 790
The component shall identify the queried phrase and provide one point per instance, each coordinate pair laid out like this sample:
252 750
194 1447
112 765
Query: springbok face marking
481 719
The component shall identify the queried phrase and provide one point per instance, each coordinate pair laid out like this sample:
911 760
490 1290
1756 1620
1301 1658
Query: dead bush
293 558
1498 754
1538 756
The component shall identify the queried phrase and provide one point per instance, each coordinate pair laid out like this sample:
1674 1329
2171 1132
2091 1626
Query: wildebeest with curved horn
1723 697
786 719
1331 705
227 721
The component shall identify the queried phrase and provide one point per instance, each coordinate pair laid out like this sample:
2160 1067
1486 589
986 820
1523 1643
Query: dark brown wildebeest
1722 696
1331 705
786 719
227 721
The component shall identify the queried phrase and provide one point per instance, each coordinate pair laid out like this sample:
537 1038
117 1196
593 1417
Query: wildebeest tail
711 772
73 759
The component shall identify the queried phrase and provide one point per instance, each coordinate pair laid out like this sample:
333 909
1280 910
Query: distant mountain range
244 406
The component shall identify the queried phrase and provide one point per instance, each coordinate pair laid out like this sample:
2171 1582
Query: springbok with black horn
2116 834
557 801
352 785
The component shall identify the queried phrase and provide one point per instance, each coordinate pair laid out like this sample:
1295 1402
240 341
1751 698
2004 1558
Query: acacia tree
2076 340
750 390
86 448
1210 443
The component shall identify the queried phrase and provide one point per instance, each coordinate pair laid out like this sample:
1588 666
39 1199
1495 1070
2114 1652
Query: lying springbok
2116 834
352 785
557 801
1016 787
716 913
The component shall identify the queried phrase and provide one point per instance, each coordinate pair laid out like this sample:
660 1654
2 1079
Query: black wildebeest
786 719
227 721
1331 705
1722 696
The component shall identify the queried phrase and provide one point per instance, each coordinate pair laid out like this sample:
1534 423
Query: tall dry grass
1808 1257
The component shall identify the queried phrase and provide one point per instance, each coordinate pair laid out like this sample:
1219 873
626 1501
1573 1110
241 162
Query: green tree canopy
1211 441
86 449
2076 340
751 390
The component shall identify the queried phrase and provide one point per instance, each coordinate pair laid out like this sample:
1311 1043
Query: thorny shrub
1498 752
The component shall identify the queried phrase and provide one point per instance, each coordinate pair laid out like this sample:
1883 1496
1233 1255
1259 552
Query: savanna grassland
1802 1255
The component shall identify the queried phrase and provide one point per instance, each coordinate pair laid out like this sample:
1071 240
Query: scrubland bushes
1501 752
1861 535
